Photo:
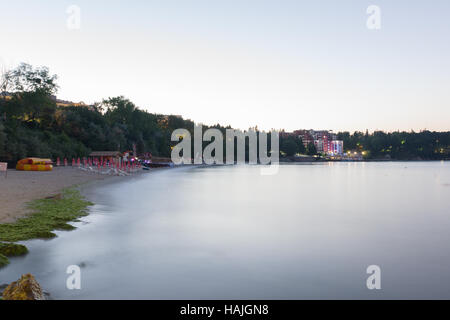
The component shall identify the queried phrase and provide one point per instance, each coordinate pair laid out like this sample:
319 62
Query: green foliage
311 149
48 215
2 141
425 145
12 249
25 78
68 132
32 125
3 261
291 145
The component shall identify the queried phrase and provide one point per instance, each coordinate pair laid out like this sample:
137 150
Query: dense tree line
424 145
291 145
31 124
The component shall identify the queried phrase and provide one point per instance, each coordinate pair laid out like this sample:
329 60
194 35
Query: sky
274 64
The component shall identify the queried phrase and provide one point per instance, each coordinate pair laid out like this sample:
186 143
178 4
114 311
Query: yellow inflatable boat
34 164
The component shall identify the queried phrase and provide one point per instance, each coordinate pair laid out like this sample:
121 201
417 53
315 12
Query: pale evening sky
275 64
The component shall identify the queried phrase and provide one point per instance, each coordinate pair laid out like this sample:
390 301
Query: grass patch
47 215
3 261
12 249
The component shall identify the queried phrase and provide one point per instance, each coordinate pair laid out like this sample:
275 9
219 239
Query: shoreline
85 188
311 160
109 222
64 202
23 187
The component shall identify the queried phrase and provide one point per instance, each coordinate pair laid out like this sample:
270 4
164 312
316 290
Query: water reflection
309 231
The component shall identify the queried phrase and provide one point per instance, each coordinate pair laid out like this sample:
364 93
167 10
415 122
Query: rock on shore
26 288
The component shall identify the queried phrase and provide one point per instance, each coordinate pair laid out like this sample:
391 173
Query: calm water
227 232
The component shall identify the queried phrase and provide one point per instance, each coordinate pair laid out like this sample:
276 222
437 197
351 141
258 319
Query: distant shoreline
311 159
21 187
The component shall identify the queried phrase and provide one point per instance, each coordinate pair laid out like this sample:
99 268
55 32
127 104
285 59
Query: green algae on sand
3 261
12 249
47 215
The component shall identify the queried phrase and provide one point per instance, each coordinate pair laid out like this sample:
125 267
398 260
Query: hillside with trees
31 124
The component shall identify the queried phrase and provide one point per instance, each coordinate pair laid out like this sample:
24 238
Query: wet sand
21 187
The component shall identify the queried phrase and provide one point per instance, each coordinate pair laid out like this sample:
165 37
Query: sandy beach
21 187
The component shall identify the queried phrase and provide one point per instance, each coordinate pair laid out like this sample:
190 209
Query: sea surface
227 232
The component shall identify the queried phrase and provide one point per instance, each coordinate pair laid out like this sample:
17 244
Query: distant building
66 103
337 147
319 145
6 95
325 141
305 135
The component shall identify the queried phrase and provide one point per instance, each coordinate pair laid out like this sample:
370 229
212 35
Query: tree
25 78
32 125
300 146
32 90
5 83
311 149
2 141
290 147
